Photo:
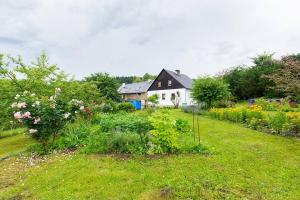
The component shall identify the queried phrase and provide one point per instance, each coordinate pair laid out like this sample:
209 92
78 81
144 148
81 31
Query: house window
163 96
169 82
173 96
159 84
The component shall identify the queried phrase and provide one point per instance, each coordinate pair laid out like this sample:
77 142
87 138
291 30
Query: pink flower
32 131
27 115
18 115
81 108
36 120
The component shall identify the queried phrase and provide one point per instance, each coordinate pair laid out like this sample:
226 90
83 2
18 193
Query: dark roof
131 88
182 78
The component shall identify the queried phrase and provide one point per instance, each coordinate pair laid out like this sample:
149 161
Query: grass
13 142
244 164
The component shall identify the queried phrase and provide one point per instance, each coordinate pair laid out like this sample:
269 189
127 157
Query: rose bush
45 117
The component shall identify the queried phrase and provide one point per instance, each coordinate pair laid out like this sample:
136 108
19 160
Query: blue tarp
136 104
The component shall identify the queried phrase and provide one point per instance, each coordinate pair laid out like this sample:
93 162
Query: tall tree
251 82
287 78
106 84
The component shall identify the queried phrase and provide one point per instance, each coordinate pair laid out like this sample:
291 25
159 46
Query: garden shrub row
134 133
282 123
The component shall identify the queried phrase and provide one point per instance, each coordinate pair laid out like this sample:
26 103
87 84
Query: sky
132 37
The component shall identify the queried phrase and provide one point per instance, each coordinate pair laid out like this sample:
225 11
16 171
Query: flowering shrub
284 123
46 116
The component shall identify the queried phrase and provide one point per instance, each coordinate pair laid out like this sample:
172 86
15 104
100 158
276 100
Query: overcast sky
134 37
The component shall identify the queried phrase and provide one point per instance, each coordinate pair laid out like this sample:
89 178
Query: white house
173 88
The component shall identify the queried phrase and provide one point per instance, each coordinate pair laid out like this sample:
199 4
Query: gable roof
183 79
131 88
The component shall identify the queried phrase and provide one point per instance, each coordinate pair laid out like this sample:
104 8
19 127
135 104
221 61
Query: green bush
164 133
182 126
125 106
114 143
283 123
75 134
108 107
210 90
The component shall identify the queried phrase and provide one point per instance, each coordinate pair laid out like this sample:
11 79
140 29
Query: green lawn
244 164
12 144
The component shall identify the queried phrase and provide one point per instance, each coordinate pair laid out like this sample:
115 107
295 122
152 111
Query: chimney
177 71
123 84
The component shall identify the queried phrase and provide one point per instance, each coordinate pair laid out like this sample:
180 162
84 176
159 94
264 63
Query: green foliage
125 106
44 118
108 107
182 125
107 85
153 99
209 90
165 135
283 123
40 78
268 162
114 143
286 79
251 82
74 135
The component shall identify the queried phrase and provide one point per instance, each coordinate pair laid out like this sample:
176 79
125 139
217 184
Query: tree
153 99
107 85
250 82
287 78
147 77
209 90
39 77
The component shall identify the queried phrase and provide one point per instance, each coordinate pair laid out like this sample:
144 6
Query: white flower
51 98
25 92
21 105
17 96
14 105
36 103
32 95
57 90
32 131
67 115
81 108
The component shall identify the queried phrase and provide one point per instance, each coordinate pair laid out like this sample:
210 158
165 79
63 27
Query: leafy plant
153 99
182 126
164 134
209 91
44 118
125 106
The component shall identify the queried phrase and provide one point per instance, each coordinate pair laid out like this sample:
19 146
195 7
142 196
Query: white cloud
126 37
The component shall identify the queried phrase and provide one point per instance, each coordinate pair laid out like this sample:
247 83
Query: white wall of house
185 96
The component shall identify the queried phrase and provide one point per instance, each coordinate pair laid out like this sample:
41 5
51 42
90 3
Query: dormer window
159 84
169 83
